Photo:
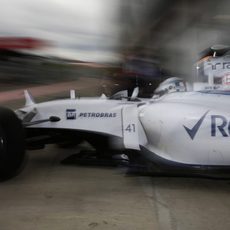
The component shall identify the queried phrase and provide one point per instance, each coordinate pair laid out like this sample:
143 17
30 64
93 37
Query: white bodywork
165 123
191 128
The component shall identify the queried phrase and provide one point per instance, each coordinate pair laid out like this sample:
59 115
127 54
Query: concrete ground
49 195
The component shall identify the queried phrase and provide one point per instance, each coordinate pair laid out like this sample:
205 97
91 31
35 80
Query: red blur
21 43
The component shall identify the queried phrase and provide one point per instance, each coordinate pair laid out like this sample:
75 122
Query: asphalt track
49 195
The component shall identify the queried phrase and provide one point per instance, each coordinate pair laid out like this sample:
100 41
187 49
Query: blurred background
100 46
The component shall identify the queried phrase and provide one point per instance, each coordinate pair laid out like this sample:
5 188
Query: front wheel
12 144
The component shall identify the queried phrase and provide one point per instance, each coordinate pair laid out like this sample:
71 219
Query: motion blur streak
137 42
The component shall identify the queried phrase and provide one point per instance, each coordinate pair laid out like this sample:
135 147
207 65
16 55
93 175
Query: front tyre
12 144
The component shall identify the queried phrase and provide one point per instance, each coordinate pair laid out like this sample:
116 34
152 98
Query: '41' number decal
131 128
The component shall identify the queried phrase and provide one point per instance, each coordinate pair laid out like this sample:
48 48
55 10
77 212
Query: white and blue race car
175 131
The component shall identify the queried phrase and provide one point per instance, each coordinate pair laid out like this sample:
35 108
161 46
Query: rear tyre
12 144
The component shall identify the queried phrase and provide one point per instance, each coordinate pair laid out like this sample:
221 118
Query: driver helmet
170 85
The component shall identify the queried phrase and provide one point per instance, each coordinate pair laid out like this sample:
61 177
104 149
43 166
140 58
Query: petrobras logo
97 115
71 114
219 126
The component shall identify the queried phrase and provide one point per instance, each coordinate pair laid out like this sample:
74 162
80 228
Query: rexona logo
193 131
71 114
219 125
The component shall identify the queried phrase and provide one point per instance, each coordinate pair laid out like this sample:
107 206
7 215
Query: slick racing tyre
12 144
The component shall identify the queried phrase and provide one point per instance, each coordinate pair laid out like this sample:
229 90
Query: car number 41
131 128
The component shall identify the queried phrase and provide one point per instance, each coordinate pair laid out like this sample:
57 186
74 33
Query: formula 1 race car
176 131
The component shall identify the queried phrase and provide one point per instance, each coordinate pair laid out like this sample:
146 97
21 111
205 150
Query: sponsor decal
193 131
219 65
71 114
220 126
97 115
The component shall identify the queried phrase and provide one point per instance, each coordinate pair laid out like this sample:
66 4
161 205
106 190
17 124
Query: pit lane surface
49 195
